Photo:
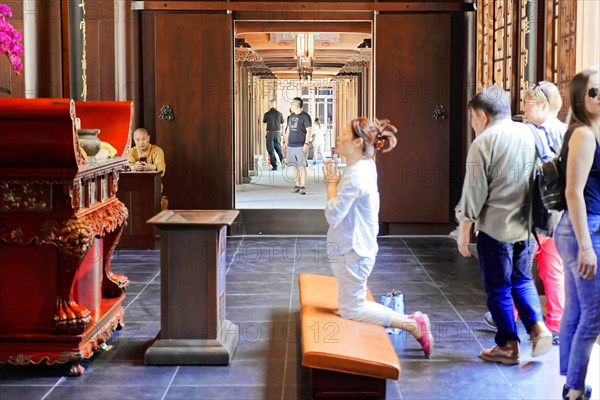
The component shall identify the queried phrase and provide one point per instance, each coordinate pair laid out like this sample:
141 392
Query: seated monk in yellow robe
147 157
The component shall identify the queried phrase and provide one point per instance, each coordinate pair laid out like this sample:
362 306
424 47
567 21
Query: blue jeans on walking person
506 271
580 324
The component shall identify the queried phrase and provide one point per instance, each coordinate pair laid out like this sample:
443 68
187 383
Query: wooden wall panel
100 49
49 26
567 49
194 75
148 77
412 77
549 41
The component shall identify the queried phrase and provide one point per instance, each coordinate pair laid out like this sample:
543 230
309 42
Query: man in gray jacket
495 196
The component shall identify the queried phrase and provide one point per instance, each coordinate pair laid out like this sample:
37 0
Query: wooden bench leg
337 385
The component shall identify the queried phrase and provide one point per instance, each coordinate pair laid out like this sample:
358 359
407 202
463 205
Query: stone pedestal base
195 351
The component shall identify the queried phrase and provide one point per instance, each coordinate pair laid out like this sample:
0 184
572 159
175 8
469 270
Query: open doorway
328 66
217 124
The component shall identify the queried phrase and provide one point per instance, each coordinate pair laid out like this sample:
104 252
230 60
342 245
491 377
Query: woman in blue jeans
578 236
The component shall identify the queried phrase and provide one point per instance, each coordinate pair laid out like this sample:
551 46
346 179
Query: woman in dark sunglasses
578 236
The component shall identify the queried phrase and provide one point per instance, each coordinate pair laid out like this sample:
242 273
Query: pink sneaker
426 339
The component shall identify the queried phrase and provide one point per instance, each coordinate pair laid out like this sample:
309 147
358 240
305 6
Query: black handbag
547 195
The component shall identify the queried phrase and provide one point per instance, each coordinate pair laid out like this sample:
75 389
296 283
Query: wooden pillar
148 105
365 92
464 48
247 156
258 100
342 102
338 110
349 100
352 101
120 18
240 170
341 108
134 63
255 100
252 113
368 91
262 105
76 49
43 26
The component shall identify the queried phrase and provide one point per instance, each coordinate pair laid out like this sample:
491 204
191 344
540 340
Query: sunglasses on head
538 86
593 92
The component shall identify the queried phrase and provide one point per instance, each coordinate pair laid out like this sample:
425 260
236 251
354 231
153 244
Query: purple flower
5 10
9 39
16 63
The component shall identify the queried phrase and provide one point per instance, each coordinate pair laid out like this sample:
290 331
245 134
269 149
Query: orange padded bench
348 359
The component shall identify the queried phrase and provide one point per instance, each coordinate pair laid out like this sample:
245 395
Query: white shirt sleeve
337 208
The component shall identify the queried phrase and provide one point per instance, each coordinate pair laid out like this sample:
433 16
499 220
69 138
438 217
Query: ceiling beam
270 27
321 61
283 16
294 64
318 9
337 65
291 75
319 53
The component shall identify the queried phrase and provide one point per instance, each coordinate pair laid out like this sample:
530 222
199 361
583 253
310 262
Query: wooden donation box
60 221
193 328
140 192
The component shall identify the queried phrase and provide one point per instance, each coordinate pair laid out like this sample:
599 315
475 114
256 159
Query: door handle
439 112
166 113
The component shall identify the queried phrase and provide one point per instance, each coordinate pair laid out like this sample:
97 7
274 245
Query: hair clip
379 142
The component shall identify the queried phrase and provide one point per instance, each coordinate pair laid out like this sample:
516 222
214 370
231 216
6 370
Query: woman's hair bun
385 135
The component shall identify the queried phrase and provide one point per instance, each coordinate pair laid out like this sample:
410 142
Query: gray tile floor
271 189
262 299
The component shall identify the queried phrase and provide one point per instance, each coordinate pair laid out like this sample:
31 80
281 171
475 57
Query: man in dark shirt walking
274 121
297 137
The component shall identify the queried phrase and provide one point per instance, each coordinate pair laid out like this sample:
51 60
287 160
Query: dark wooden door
194 75
412 77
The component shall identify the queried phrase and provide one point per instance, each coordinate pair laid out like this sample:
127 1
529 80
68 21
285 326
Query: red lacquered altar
60 221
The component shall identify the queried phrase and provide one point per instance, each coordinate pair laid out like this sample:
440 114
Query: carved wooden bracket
68 356
242 54
73 237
